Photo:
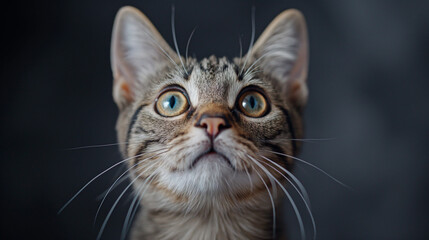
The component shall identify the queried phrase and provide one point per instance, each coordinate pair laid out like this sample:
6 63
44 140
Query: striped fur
215 198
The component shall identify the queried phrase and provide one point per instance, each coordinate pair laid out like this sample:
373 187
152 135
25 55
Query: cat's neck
246 223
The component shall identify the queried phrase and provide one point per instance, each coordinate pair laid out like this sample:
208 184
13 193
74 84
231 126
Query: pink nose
213 125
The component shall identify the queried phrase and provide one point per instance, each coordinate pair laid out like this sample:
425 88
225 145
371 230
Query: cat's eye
252 104
172 103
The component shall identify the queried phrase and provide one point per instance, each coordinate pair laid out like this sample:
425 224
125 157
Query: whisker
98 146
101 195
251 41
271 181
187 44
314 166
121 177
299 193
255 62
93 179
250 179
161 48
300 185
173 29
137 194
307 139
103 226
134 207
229 185
272 201
313 139
298 215
241 46
94 146
254 71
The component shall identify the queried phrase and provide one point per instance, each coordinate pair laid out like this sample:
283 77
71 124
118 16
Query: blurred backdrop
368 84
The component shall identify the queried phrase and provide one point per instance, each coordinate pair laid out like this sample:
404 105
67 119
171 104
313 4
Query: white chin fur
210 175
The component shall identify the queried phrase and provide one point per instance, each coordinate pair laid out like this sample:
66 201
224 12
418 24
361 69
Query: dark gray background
368 84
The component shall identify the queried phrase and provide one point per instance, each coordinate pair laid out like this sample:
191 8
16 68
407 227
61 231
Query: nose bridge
214 118
214 109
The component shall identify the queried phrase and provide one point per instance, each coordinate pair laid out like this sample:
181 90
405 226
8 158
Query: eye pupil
252 102
172 102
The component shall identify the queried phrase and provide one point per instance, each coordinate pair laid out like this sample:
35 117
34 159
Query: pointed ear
137 52
283 49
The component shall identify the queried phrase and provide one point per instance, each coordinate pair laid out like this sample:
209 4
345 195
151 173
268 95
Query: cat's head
213 127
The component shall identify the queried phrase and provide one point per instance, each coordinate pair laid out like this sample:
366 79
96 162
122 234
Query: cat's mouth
212 155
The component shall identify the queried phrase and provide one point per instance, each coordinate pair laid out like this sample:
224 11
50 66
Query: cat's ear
137 52
283 52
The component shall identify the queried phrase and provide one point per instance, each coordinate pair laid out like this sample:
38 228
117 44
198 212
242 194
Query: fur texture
187 193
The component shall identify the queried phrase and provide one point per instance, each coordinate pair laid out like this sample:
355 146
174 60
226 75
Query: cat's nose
213 124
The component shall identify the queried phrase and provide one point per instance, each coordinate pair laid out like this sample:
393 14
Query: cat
209 144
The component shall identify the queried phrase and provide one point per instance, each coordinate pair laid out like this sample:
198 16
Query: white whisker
255 62
101 195
301 187
161 48
93 179
174 38
94 146
121 176
272 201
312 139
252 39
103 226
298 159
134 207
253 72
137 194
250 179
241 46
298 215
98 146
187 44
299 193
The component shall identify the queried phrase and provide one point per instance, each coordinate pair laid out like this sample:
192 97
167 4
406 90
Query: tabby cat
210 143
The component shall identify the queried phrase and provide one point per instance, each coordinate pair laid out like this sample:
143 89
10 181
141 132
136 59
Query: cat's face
209 128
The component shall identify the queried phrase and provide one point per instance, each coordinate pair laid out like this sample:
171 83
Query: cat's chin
211 158
210 173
